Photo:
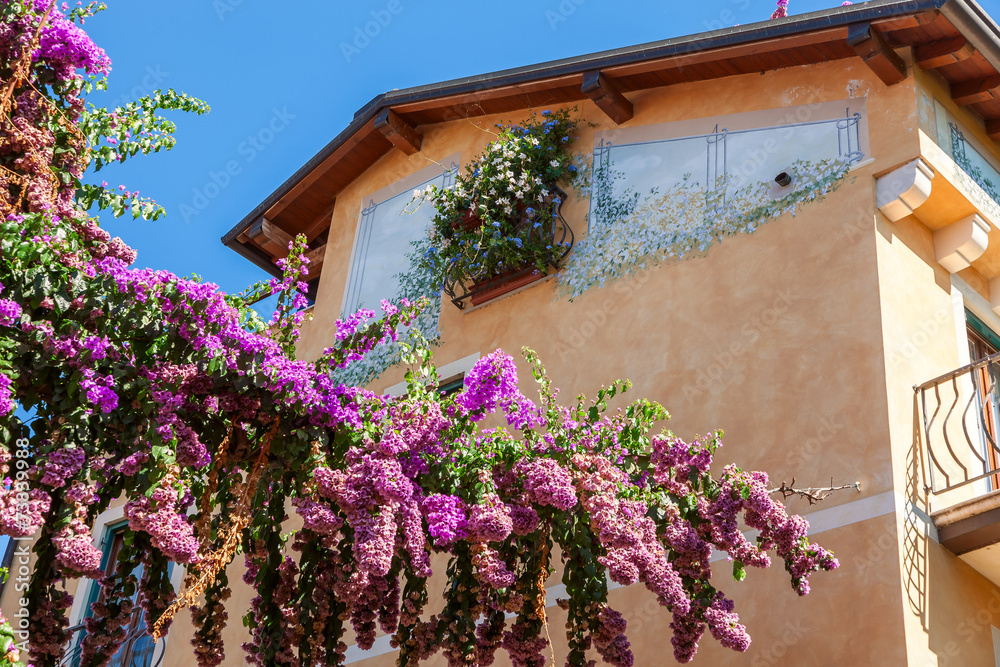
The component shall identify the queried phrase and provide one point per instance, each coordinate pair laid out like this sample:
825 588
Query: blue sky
303 71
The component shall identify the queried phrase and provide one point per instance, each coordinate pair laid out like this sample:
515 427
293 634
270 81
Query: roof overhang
956 38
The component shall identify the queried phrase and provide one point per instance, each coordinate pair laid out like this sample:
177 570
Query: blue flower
517 242
546 113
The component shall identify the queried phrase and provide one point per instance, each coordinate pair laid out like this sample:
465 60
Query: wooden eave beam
975 90
403 136
322 222
474 98
316 257
993 128
607 97
269 238
810 39
871 47
314 175
943 52
907 22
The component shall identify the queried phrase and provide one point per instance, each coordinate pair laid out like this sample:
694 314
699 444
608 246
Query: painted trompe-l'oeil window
957 141
389 233
672 190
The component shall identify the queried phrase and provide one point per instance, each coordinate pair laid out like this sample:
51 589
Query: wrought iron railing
556 231
974 163
138 649
961 419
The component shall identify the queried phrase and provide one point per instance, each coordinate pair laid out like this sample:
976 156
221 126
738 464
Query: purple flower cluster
447 517
489 521
65 47
492 383
10 313
170 532
317 516
190 450
99 390
77 554
131 464
725 626
22 511
7 404
491 570
61 465
610 640
547 483
633 551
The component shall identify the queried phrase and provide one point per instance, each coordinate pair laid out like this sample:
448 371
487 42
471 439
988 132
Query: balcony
961 422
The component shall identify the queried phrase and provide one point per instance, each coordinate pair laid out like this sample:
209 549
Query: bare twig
813 495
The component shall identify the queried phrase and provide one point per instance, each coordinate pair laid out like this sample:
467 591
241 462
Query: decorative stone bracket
957 243
901 192
961 243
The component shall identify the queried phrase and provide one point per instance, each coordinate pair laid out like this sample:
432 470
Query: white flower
519 194
534 142
545 193
554 163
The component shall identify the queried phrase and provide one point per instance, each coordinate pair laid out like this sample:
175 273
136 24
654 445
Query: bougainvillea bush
181 401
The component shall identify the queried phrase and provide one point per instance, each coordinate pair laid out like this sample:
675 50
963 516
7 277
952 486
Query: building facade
792 233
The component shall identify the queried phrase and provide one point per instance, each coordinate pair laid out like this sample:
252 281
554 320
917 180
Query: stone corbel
961 243
904 189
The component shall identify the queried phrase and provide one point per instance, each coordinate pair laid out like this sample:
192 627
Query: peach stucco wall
774 337
794 340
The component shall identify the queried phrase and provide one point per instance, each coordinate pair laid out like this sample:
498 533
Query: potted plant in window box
499 227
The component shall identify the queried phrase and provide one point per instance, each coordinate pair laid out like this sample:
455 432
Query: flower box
469 221
504 283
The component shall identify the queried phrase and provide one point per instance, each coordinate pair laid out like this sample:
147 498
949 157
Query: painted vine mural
181 401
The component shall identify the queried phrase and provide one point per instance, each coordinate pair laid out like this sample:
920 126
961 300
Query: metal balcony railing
961 420
974 163
138 649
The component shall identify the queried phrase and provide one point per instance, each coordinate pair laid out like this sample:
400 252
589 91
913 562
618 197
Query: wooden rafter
975 90
993 128
269 237
403 136
943 52
316 257
607 97
871 47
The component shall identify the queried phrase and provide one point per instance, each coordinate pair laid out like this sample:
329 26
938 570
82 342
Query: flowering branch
813 495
